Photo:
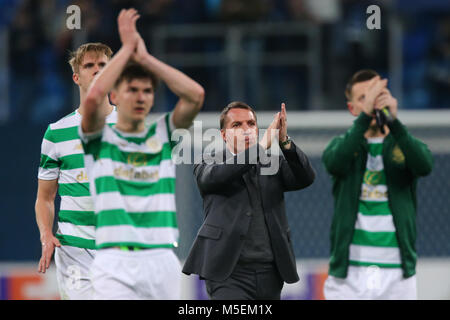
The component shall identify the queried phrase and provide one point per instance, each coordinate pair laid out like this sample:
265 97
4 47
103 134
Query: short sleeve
49 163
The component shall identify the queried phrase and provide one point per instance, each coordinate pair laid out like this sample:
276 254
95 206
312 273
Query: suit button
249 214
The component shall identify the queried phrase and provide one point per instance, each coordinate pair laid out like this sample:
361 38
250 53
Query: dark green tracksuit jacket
405 159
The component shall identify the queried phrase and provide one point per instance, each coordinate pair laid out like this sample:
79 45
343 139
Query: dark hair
360 76
234 105
133 70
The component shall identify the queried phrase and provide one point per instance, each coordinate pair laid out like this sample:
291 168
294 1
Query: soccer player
62 168
375 174
132 173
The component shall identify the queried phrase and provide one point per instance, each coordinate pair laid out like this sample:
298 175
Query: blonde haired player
132 173
62 168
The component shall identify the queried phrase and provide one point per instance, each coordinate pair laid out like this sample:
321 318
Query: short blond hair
76 57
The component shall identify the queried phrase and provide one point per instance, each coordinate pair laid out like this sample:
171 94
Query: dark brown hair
360 76
133 70
234 105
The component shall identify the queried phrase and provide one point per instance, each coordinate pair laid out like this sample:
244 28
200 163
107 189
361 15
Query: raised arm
190 93
212 176
93 119
296 170
417 155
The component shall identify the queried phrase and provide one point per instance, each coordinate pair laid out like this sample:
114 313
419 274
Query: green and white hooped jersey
133 186
374 240
62 158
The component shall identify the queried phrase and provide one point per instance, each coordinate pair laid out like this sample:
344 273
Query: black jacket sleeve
212 176
296 170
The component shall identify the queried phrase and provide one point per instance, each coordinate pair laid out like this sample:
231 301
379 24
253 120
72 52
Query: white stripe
77 203
49 149
128 172
382 223
376 193
75 120
375 163
67 122
70 147
73 176
112 117
69 229
113 234
374 254
161 128
48 174
114 200
375 140
111 137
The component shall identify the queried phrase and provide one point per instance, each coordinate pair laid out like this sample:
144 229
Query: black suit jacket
225 191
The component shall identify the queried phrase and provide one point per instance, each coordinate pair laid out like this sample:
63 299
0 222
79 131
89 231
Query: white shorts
136 275
73 272
371 283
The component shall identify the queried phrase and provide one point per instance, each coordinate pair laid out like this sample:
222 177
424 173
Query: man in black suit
243 249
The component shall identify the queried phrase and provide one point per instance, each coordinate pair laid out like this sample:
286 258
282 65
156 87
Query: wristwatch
288 140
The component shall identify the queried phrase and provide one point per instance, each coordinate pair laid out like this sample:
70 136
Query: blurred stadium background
263 52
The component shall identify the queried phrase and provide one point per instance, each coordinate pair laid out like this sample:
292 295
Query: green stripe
66 240
138 140
48 163
74 189
65 134
134 188
369 264
153 219
373 208
375 239
93 147
375 149
72 161
111 151
80 218
135 244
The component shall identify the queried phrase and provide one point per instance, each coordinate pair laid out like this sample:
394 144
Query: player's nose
96 69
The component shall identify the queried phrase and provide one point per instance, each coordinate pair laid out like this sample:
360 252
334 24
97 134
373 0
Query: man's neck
130 126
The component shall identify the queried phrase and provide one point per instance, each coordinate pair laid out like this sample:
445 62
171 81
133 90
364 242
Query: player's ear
351 108
113 96
223 134
75 78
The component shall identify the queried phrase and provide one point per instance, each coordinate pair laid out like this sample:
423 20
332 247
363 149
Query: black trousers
248 282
